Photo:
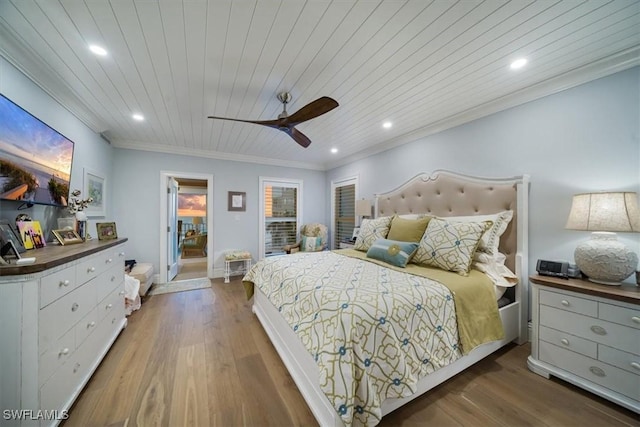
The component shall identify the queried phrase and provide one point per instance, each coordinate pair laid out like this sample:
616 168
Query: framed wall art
95 186
237 201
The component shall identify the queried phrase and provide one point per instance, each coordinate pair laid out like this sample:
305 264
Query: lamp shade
604 212
363 208
603 259
197 220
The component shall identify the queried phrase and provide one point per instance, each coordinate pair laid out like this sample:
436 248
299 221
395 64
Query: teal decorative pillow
372 230
392 251
450 245
310 244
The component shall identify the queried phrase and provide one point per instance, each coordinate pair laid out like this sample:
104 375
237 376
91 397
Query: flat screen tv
35 159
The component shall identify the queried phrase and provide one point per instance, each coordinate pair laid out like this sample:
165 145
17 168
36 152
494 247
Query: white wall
137 200
90 150
583 139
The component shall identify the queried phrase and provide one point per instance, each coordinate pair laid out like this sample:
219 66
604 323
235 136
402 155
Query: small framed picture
67 236
107 230
237 201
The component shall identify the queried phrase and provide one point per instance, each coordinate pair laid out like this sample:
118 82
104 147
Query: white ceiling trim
193 152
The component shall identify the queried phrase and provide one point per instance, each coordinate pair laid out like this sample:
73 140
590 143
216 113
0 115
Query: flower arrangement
76 204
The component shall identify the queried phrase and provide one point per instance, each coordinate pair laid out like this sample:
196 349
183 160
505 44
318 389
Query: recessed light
98 50
518 63
138 117
334 150
387 125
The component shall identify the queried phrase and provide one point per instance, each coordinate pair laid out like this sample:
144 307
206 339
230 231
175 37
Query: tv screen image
35 159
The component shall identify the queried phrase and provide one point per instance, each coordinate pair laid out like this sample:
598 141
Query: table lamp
603 259
363 208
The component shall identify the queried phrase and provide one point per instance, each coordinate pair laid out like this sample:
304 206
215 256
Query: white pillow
493 266
490 240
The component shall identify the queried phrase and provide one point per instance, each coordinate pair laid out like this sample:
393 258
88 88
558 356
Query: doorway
186 244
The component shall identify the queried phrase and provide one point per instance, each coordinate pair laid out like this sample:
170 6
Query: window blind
344 221
281 223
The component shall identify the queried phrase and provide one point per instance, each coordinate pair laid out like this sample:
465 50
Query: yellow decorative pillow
407 230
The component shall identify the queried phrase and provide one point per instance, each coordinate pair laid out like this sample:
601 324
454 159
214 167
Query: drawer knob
636 320
599 330
74 306
91 269
121 293
564 341
91 324
64 283
75 368
635 365
597 371
63 352
565 303
109 306
121 254
109 261
113 278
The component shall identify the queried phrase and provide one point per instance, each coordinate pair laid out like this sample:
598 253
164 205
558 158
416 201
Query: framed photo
67 236
95 186
10 234
237 201
106 230
31 234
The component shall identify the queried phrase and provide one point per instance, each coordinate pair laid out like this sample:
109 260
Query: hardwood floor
191 269
201 358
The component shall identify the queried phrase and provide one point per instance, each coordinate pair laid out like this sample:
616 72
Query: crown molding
218 155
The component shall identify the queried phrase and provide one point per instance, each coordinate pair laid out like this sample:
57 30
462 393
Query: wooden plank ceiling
423 65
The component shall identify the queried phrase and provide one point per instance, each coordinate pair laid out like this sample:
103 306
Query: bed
295 336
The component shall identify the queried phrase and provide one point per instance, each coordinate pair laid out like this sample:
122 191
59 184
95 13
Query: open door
172 228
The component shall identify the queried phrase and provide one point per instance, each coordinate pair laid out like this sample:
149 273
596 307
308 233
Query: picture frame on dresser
9 233
67 236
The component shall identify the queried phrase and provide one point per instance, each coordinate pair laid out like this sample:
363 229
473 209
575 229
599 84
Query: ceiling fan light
334 150
387 125
518 63
137 117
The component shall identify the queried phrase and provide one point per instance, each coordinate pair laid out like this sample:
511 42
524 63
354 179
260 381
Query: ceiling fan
286 123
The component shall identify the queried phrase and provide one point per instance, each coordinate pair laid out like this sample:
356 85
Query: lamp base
604 259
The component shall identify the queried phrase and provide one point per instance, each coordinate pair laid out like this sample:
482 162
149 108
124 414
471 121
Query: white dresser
58 318
588 334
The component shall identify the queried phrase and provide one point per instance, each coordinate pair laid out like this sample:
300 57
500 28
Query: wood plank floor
201 358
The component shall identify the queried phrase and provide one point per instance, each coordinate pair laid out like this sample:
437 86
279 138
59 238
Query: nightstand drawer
600 331
622 315
623 360
570 342
592 370
569 303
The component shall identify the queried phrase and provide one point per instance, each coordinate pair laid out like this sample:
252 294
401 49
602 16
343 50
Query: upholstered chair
194 246
314 237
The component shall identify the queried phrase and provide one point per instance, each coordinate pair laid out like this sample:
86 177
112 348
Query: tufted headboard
446 193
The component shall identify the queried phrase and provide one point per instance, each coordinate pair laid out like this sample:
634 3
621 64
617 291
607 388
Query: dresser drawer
568 341
61 315
623 360
112 279
622 315
57 285
95 265
569 303
592 370
86 326
111 303
600 331
54 357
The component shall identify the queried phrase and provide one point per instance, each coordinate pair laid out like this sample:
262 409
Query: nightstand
346 245
589 335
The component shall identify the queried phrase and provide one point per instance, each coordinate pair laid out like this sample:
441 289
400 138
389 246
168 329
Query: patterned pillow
490 240
370 231
310 244
450 245
392 251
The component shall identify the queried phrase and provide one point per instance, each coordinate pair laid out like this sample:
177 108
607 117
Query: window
343 207
281 213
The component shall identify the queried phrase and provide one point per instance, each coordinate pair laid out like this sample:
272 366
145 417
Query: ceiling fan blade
313 109
270 123
297 136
